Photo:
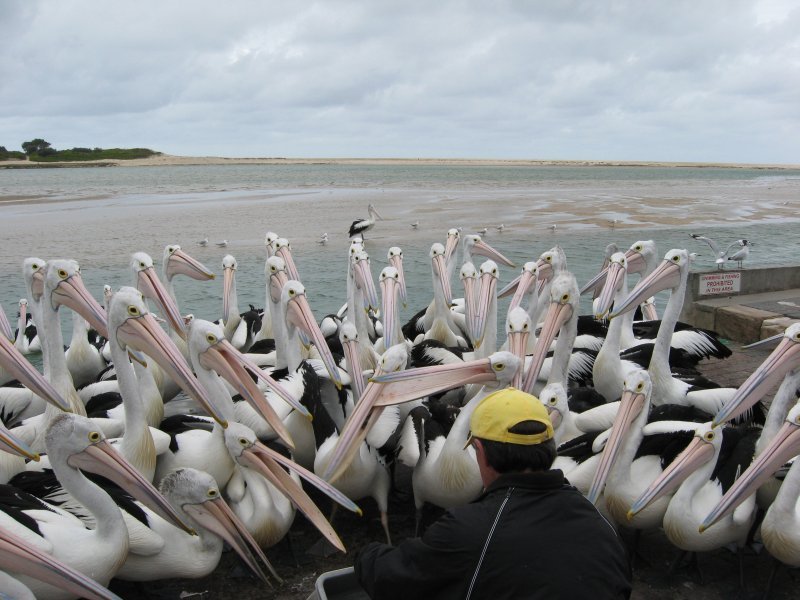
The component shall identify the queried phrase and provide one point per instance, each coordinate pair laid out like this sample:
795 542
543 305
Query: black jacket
539 537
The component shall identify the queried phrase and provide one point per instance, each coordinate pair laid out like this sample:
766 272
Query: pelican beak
18 556
298 314
390 288
526 280
509 288
484 249
264 460
37 284
649 310
555 416
151 287
397 387
667 275
784 446
469 305
635 260
5 326
144 334
15 363
12 444
396 261
697 453
518 343
100 458
486 295
233 366
286 254
276 282
557 315
216 516
440 270
228 279
615 277
72 293
364 281
782 360
450 247
356 372
180 263
631 404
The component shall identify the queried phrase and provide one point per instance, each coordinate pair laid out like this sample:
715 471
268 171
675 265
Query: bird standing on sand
552 227
482 231
222 244
324 239
203 242
415 224
500 228
360 226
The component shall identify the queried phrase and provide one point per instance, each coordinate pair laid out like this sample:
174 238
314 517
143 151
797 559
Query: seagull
415 224
222 244
482 231
552 227
203 242
324 239
738 250
614 223
500 228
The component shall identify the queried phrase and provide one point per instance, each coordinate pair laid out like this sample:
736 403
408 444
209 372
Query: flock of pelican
97 484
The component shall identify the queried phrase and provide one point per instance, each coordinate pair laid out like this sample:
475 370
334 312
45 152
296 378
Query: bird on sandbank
222 244
203 242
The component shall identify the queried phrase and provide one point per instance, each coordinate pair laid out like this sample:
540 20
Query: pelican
197 499
395 257
671 274
75 443
18 555
702 475
780 529
84 360
236 328
26 340
360 226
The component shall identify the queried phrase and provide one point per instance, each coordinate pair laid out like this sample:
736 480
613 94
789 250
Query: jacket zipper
486 544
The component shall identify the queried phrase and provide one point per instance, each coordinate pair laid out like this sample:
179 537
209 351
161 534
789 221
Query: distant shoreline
167 160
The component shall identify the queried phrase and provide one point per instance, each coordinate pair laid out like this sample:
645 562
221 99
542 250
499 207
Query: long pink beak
298 314
397 262
486 295
15 363
72 293
484 249
666 276
151 287
616 275
181 263
18 556
102 459
145 335
557 315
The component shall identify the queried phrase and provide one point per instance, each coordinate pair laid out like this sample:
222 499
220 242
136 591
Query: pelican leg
418 522
385 524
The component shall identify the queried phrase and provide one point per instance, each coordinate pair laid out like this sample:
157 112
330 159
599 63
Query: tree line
41 150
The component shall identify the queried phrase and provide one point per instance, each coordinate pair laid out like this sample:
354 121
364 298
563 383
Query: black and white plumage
737 251
360 226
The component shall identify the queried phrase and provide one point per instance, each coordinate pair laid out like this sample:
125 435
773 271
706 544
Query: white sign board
720 283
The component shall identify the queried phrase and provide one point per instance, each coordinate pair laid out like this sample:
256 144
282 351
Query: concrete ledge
741 323
770 327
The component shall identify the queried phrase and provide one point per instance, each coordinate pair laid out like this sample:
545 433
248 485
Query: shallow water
100 216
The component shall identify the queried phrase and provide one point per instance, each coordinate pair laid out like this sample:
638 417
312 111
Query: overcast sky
696 80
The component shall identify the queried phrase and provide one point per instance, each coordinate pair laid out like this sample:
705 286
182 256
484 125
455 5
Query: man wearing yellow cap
529 535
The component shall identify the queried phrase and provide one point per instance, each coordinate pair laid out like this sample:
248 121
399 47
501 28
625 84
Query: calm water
100 216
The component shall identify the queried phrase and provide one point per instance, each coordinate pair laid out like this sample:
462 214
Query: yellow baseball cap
501 411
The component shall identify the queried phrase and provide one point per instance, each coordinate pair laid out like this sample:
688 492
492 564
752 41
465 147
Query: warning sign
720 283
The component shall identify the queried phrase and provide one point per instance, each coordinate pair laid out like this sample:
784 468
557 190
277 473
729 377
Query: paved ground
718 577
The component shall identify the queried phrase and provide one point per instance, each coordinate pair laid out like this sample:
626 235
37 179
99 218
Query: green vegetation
39 150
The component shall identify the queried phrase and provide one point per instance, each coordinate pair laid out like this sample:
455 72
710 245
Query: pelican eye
494 271
63 274
525 326
35 266
640 387
211 338
638 247
565 298
244 441
548 258
797 336
142 265
676 258
171 249
212 493
94 436
292 292
709 436
133 311
499 366
396 276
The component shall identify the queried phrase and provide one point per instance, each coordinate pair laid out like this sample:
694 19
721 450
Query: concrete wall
737 316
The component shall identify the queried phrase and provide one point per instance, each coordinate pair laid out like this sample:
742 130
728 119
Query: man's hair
511 458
